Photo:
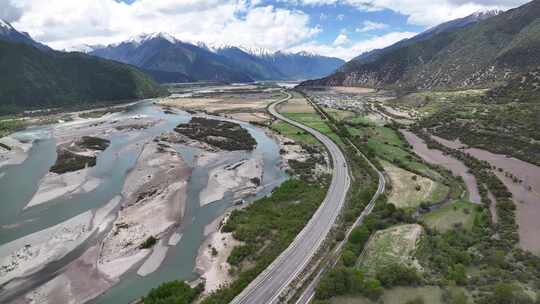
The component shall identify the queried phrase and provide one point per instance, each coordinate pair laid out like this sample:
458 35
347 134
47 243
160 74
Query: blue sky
341 28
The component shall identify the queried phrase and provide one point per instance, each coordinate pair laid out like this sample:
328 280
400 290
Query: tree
349 258
373 289
175 292
359 235
458 274
505 293
398 275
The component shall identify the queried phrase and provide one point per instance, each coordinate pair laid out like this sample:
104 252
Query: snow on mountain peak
84 48
483 14
259 52
5 25
139 39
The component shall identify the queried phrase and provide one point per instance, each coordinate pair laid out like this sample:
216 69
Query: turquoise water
20 182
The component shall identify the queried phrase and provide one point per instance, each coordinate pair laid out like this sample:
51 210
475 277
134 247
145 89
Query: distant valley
168 59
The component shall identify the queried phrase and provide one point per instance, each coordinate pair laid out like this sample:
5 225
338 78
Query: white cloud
422 12
9 11
341 39
340 17
352 50
369 26
64 23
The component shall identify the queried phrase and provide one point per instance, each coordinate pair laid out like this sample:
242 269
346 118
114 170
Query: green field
360 119
388 145
450 215
315 121
339 115
294 133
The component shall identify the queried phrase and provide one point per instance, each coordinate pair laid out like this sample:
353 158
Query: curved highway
268 286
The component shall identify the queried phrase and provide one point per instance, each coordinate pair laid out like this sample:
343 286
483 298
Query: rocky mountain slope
161 52
9 34
482 54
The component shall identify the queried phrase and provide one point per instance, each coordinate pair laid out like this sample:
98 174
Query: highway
269 285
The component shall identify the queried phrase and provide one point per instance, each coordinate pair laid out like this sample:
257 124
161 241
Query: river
19 183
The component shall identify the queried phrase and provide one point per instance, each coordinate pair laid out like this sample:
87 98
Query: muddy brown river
436 157
526 194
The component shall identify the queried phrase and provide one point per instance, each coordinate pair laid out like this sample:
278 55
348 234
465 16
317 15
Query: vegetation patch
392 246
67 161
149 242
454 215
221 134
94 143
173 292
9 126
5 147
398 295
294 133
315 121
410 190
266 228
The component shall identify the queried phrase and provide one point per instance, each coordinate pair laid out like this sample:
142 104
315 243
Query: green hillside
481 55
32 78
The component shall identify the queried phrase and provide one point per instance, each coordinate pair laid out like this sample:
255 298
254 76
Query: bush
174 292
349 258
398 275
149 243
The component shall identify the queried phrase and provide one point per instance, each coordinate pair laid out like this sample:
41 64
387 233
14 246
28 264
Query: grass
399 295
395 245
388 145
294 133
339 115
360 119
457 213
315 121
410 190
10 125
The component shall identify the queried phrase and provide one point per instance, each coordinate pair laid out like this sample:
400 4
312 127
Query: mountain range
481 50
35 76
168 59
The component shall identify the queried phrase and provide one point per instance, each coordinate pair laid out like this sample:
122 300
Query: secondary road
309 291
269 285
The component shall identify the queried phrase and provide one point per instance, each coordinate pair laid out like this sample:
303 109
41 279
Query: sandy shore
53 186
159 252
18 153
238 178
31 253
175 239
81 281
213 268
154 192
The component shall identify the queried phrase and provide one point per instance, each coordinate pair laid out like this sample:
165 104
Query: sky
338 28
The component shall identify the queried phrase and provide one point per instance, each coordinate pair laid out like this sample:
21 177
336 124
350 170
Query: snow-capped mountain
163 53
84 48
10 34
462 22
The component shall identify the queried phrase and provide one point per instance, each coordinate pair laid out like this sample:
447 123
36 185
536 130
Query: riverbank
211 261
